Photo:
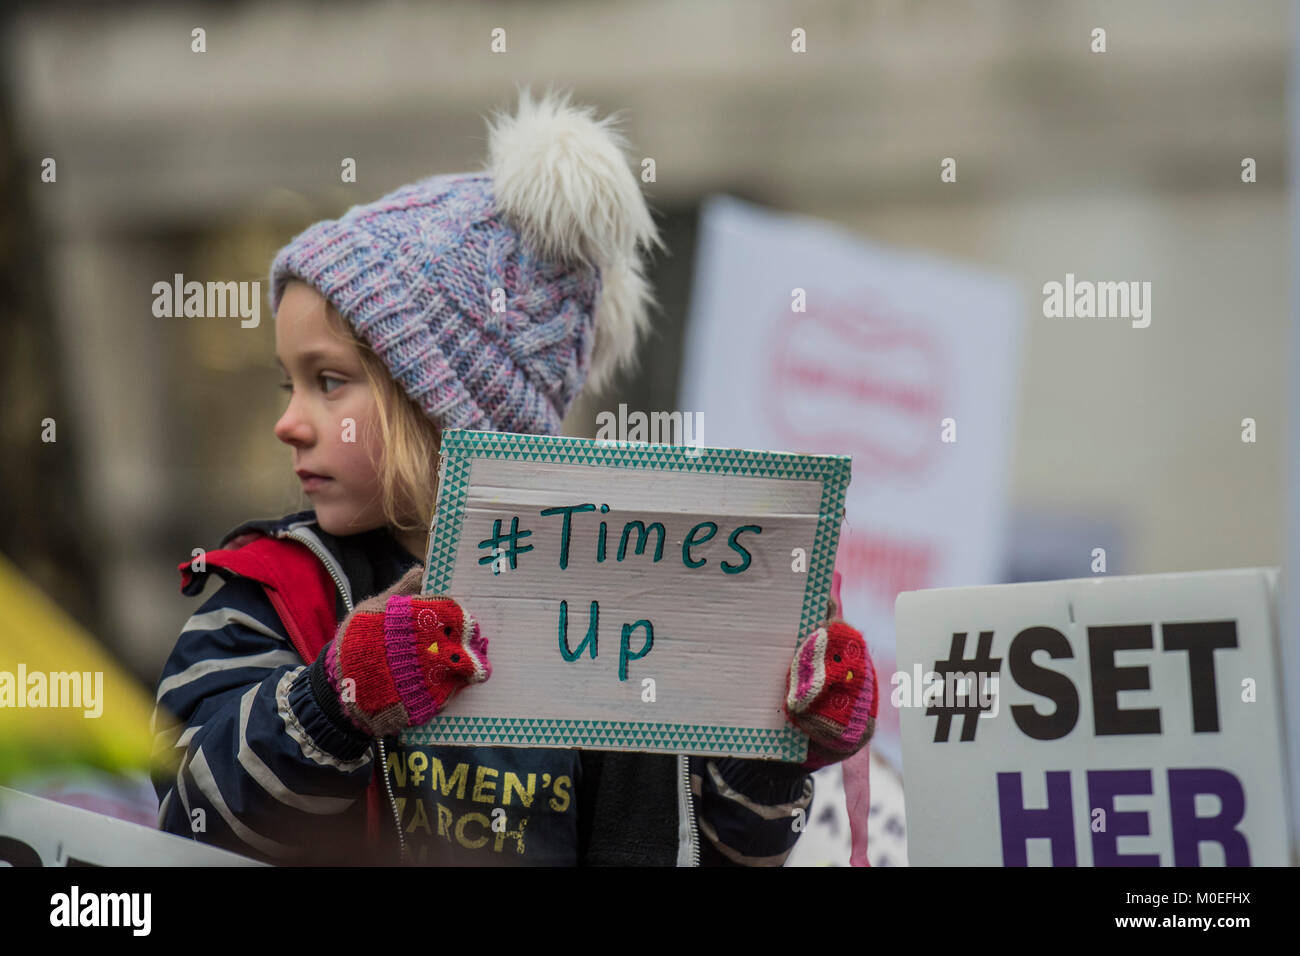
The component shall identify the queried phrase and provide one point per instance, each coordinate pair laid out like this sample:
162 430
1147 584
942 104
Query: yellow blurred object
40 649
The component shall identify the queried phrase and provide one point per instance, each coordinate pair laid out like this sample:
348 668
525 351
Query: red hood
295 579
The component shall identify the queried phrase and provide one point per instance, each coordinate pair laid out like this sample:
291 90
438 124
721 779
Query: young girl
479 300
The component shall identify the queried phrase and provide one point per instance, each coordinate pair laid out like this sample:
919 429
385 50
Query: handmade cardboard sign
1094 722
634 596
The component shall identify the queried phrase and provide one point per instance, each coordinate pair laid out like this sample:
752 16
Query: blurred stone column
100 292
41 507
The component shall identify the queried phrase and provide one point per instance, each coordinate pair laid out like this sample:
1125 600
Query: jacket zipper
688 804
397 818
383 757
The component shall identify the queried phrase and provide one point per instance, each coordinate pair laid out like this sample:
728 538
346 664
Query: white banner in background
1290 591
892 350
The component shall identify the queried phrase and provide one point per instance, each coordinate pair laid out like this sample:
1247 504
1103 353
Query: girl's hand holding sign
831 693
398 658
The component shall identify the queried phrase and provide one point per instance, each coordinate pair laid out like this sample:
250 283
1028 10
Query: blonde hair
408 468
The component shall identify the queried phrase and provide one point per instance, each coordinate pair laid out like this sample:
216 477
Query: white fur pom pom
562 179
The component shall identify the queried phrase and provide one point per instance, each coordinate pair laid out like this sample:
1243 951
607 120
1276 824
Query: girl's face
328 422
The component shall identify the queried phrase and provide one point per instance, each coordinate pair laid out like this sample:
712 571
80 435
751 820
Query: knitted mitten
831 694
397 658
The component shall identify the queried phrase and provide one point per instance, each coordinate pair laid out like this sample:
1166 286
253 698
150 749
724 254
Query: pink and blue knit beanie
493 296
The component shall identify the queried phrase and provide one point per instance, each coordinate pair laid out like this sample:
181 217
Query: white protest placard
634 596
1289 612
1094 722
39 832
805 336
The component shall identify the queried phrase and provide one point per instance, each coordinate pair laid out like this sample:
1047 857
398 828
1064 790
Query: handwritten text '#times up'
505 549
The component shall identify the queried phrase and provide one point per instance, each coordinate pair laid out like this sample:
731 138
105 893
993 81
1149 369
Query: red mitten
397 659
831 693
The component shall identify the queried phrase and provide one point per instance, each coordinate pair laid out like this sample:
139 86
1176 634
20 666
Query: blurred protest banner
1094 722
635 596
1289 613
63 700
36 832
804 336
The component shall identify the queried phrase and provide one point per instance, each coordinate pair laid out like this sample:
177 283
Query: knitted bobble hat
493 296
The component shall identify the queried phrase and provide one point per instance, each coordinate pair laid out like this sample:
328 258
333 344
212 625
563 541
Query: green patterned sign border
786 744
459 449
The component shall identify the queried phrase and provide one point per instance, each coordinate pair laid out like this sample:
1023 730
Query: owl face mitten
398 658
831 693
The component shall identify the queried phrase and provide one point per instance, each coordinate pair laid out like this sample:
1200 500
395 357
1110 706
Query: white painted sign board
634 596
1133 721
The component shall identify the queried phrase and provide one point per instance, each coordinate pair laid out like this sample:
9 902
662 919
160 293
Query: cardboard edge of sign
459 447
1270 575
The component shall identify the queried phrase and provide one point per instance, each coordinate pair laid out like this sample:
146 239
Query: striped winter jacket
266 764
